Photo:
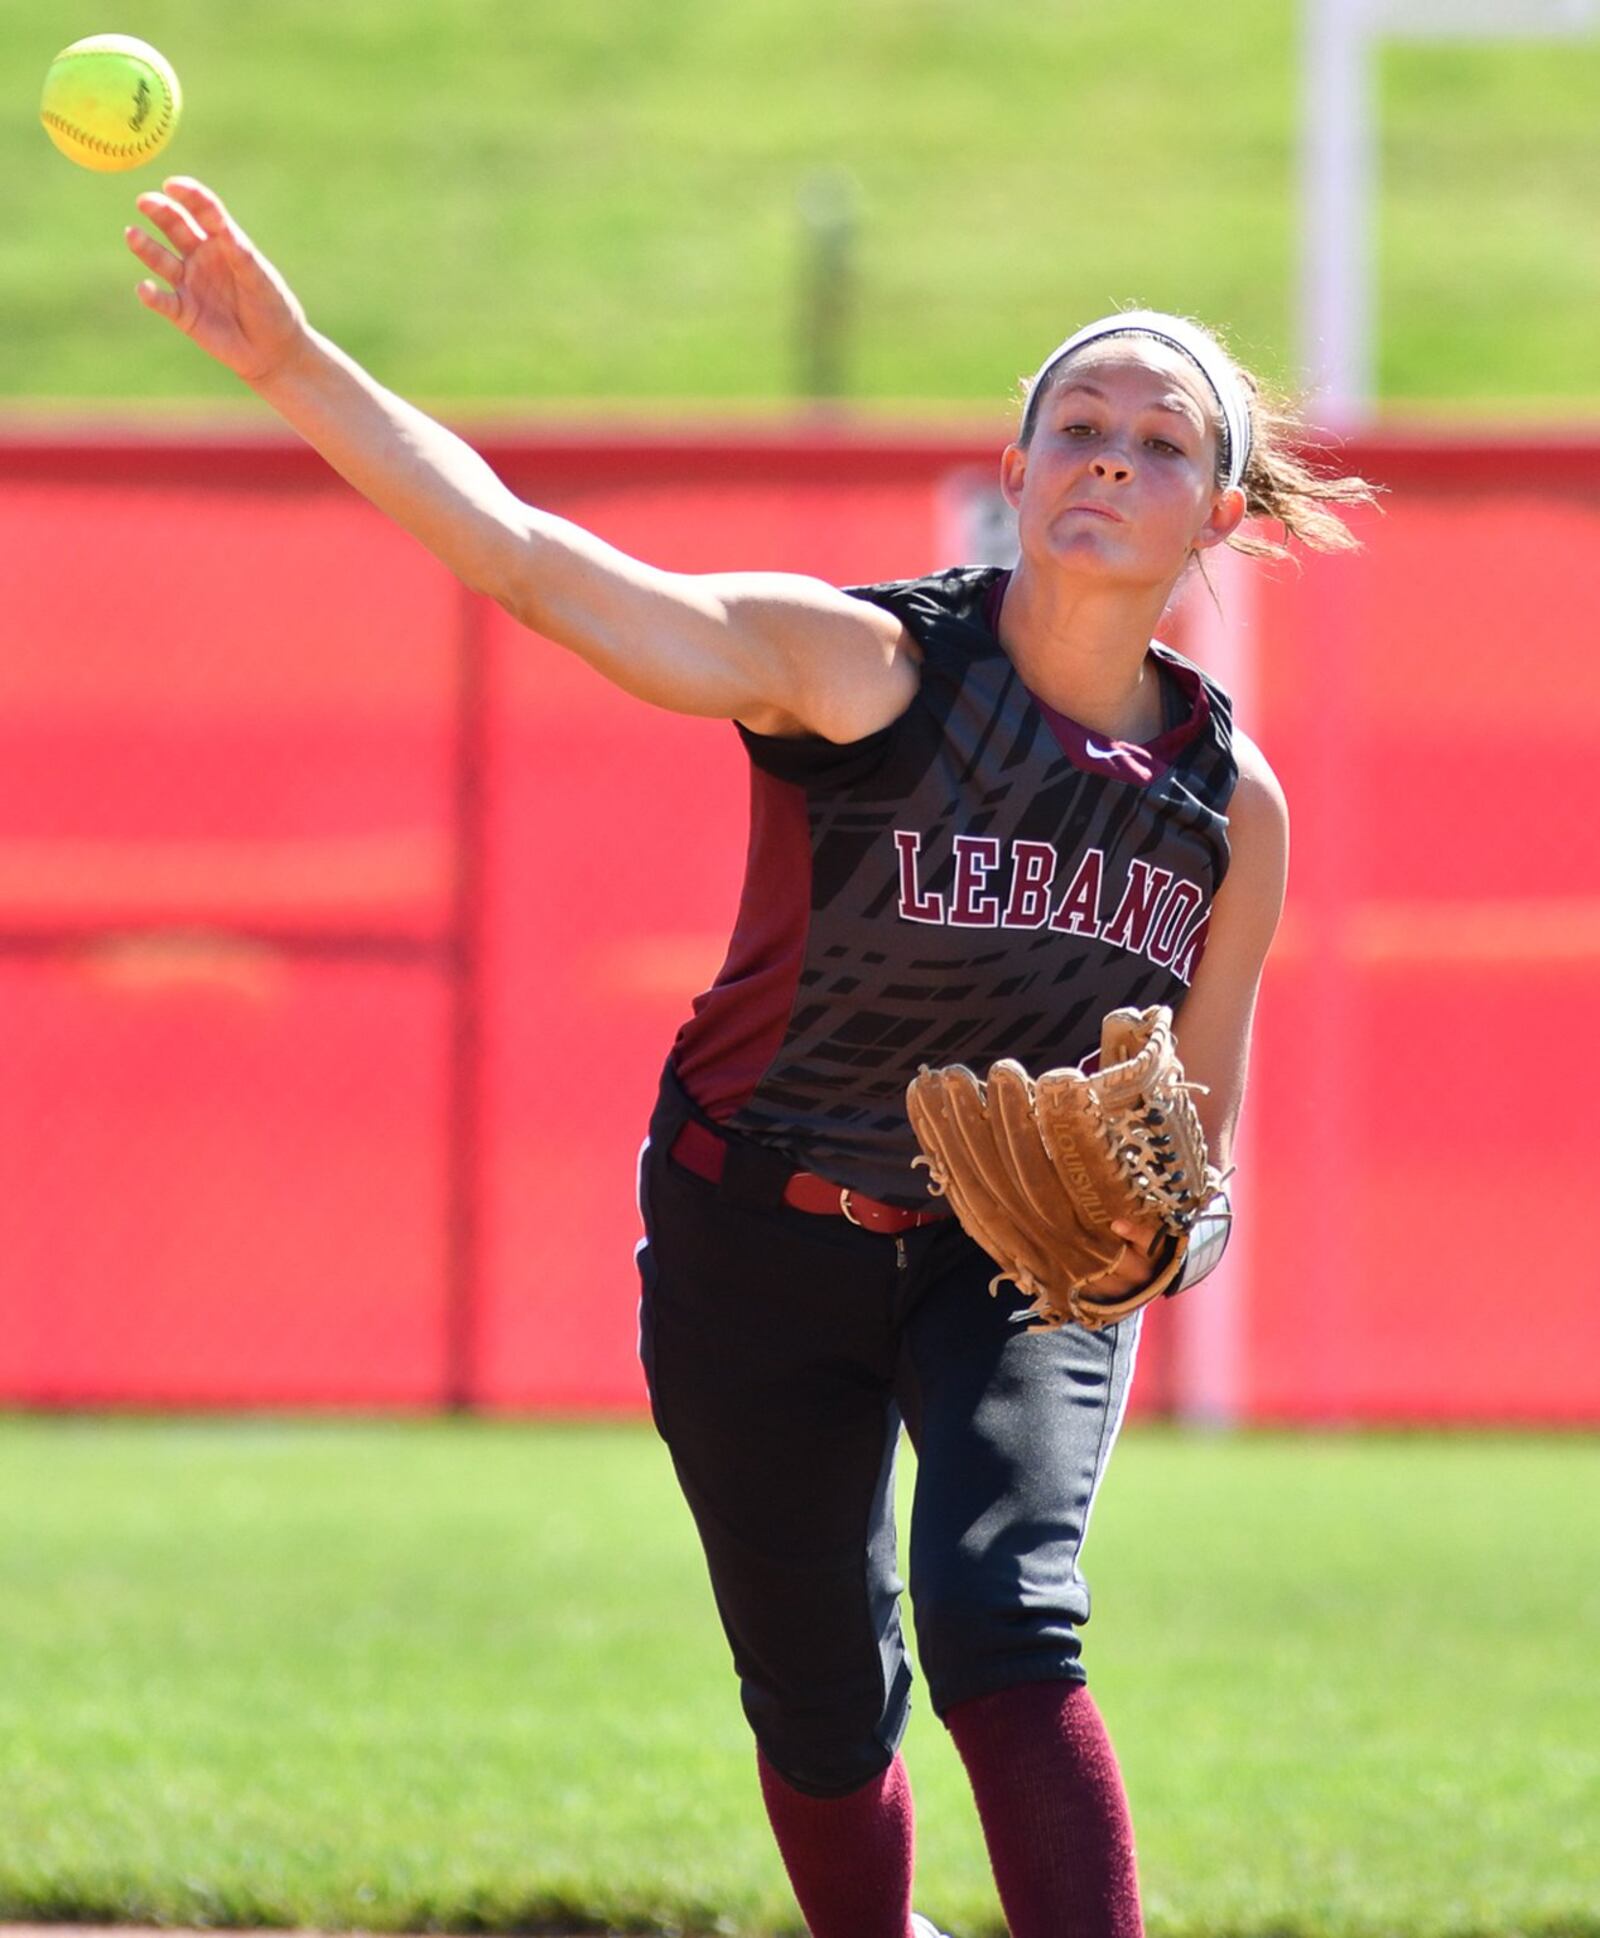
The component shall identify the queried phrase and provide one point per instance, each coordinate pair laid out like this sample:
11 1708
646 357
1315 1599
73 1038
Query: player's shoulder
1258 790
774 599
1258 818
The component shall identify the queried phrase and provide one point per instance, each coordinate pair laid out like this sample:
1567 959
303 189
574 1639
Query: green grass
497 203
468 1677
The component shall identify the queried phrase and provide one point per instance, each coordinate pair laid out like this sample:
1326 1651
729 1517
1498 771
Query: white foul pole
1338 168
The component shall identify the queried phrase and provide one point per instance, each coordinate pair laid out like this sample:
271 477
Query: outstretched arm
782 652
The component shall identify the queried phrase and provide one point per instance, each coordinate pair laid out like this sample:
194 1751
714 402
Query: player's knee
827 1769
831 1741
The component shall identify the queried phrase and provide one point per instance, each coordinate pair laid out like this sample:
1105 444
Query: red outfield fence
343 928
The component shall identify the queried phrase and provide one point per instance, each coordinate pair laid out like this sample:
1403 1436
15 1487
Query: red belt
703 1152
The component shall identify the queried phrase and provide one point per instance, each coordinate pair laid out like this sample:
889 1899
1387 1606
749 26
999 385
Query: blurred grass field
467 1676
502 205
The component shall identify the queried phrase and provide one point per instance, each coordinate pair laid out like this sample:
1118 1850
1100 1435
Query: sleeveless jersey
983 878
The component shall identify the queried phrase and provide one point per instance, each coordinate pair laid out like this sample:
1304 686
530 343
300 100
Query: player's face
1119 480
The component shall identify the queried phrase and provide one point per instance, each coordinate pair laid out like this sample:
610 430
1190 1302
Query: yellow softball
110 102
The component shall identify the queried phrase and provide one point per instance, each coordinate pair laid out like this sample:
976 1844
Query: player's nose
1110 462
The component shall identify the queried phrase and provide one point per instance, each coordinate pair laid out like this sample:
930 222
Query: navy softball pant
783 1351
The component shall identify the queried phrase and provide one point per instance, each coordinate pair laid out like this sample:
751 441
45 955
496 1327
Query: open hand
223 292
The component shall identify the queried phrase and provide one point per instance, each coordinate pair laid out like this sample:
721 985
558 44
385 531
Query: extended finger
155 296
206 209
184 234
152 255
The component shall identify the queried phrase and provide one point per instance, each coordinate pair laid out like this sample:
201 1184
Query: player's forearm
415 471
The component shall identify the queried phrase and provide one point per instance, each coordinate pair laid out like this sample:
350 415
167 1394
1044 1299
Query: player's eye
1164 444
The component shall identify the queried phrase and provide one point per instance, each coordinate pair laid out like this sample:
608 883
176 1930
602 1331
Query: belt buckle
844 1206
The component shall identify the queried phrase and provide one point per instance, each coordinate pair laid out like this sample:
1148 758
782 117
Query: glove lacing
1157 1149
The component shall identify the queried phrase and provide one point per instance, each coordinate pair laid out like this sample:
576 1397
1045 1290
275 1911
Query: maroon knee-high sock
1054 1814
849 1858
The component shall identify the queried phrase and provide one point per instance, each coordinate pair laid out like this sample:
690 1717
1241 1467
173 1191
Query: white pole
1338 169
1336 190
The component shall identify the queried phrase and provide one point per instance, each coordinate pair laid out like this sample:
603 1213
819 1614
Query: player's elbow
500 565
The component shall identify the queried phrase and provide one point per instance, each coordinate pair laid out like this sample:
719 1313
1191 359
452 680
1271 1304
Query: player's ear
1013 468
1227 514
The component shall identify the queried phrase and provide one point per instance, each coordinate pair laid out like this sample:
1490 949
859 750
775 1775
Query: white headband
1196 346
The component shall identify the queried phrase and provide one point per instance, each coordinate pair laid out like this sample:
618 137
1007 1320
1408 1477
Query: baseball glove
1037 1170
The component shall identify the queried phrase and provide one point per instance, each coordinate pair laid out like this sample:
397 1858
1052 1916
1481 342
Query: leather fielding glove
1037 1169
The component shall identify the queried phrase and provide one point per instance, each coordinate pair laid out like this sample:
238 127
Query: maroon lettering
1033 867
1194 947
1078 912
1131 923
1150 917
1175 912
977 857
914 905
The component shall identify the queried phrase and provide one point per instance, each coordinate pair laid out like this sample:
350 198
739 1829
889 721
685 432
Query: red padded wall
344 926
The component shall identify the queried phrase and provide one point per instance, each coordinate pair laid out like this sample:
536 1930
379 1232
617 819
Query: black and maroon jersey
982 878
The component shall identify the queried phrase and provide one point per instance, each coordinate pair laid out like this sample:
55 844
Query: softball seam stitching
153 140
157 135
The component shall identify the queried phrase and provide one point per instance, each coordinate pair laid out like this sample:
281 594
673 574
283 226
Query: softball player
988 807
